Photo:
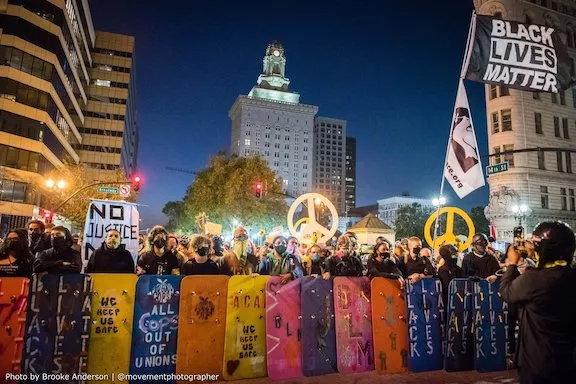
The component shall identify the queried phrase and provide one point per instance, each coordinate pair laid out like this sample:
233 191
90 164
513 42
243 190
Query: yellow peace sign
300 222
449 237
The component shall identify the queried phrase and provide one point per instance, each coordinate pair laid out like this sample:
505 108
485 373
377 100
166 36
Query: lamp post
521 212
437 202
55 185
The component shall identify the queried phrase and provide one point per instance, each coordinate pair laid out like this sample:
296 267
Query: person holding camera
546 347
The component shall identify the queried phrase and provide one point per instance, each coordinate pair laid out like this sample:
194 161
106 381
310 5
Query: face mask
58 243
15 245
280 249
160 243
35 236
203 251
386 255
315 257
417 250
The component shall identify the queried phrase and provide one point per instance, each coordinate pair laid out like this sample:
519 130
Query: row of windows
102 115
97 148
567 200
104 132
17 192
502 121
110 68
555 97
34 66
556 6
25 94
332 126
108 167
563 159
106 99
560 130
112 52
31 129
108 83
25 160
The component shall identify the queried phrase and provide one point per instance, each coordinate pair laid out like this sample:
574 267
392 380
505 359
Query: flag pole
463 70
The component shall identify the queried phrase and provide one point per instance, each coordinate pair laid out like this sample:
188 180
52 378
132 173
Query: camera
518 237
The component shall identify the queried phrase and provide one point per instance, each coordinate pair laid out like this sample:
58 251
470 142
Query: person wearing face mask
200 262
449 268
111 257
60 258
316 260
281 263
344 262
415 267
380 264
15 257
37 240
480 262
158 260
546 345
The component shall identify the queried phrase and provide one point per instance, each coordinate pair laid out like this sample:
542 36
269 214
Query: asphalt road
437 377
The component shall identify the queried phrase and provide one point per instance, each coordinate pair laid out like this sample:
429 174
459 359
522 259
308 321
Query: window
574 97
247 142
495 123
562 98
101 83
508 156
563 199
247 133
556 126
565 127
504 91
506 120
541 160
536 95
493 91
16 191
544 197
538 122
571 195
559 161
554 98
570 37
568 162
497 158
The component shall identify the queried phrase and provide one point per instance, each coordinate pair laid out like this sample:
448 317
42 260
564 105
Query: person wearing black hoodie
37 240
111 257
380 264
480 262
60 258
15 257
449 268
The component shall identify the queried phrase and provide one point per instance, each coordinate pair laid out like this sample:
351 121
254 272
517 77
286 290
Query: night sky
390 70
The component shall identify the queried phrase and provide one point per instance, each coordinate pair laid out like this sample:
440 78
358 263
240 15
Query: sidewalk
437 377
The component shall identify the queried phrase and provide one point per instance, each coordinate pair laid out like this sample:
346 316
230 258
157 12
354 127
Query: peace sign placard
312 226
449 237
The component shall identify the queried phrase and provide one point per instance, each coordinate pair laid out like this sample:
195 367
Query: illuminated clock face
276 52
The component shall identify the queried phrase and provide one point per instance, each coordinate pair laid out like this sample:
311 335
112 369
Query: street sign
497 168
108 190
125 190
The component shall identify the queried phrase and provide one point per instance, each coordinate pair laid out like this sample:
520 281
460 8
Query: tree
480 221
410 221
225 190
76 176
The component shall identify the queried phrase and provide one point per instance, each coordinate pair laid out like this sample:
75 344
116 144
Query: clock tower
272 83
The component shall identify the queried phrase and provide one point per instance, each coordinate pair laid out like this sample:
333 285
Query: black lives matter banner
522 56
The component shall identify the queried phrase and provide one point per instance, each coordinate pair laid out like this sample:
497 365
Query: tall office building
350 186
542 181
271 121
110 133
329 160
46 63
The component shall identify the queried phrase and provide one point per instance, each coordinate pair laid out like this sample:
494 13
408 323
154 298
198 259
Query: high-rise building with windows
271 122
350 165
542 181
329 160
47 60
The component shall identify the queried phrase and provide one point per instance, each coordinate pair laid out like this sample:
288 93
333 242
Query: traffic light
258 192
136 180
47 216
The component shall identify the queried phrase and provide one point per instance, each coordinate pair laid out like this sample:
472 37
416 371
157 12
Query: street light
520 212
438 202
51 184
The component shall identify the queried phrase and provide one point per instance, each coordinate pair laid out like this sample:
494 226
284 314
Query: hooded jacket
110 260
52 261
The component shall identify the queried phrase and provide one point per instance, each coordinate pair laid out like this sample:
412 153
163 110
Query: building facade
271 122
350 186
388 208
46 62
110 132
544 182
329 164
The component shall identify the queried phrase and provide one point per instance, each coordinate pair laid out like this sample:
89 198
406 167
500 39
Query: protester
545 295
159 260
317 259
172 244
280 262
413 266
15 257
111 257
479 262
245 252
344 262
293 247
449 268
60 258
200 262
37 240
77 242
380 264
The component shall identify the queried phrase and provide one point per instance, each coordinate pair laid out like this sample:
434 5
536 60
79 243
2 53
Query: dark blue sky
389 68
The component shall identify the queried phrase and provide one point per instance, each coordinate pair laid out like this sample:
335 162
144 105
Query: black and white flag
523 56
463 168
